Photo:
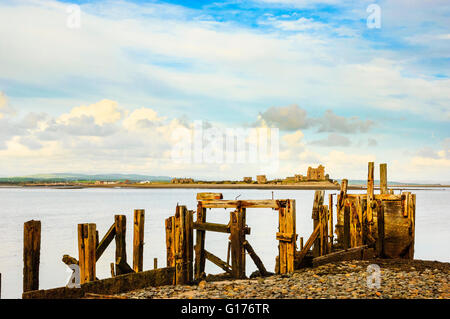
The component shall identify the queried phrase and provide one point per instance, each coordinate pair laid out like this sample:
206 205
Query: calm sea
60 210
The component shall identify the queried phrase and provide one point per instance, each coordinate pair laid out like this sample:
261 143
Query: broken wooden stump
138 240
31 254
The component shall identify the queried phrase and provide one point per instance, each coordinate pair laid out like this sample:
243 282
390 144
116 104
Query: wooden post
370 196
287 237
301 243
170 239
262 270
200 243
155 263
383 179
181 248
330 203
87 246
318 201
237 237
138 240
380 227
346 240
412 221
190 244
121 250
31 254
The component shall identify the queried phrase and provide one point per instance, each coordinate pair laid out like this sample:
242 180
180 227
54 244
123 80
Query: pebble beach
404 279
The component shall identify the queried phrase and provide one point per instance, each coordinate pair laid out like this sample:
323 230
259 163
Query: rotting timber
368 225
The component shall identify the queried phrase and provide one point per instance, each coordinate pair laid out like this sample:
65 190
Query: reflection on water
61 210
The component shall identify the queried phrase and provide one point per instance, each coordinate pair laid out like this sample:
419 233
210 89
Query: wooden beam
308 245
181 254
155 263
370 196
121 250
189 229
318 202
237 224
356 253
138 240
383 179
218 262
346 239
87 245
31 254
170 241
209 196
380 228
123 267
199 266
330 220
220 228
109 286
106 240
256 259
266 203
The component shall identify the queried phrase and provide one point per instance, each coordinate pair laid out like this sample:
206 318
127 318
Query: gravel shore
348 279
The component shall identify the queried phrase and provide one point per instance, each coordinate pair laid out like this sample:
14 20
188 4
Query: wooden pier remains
367 225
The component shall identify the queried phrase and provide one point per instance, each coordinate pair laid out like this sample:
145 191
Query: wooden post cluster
87 246
31 254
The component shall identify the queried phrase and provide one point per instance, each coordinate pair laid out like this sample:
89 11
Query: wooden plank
355 253
121 251
383 179
308 245
89 295
199 266
291 229
190 244
31 254
370 196
170 238
385 197
220 228
282 249
237 237
179 246
256 259
330 220
109 286
346 239
380 228
218 262
106 240
209 196
90 249
265 203
138 240
318 201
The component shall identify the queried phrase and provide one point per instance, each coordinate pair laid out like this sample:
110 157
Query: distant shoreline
303 186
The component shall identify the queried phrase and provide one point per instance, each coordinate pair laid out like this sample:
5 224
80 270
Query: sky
103 86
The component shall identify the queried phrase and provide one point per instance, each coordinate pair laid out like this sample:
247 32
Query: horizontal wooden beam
220 228
208 196
109 286
288 237
265 203
377 196
356 253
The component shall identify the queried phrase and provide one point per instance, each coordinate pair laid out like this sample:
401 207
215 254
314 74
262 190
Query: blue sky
352 93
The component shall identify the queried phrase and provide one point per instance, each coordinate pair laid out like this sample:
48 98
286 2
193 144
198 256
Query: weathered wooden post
138 240
330 203
380 228
370 196
301 243
237 237
383 179
318 201
121 250
181 254
31 254
170 241
87 252
287 237
346 231
200 244
190 244
155 263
